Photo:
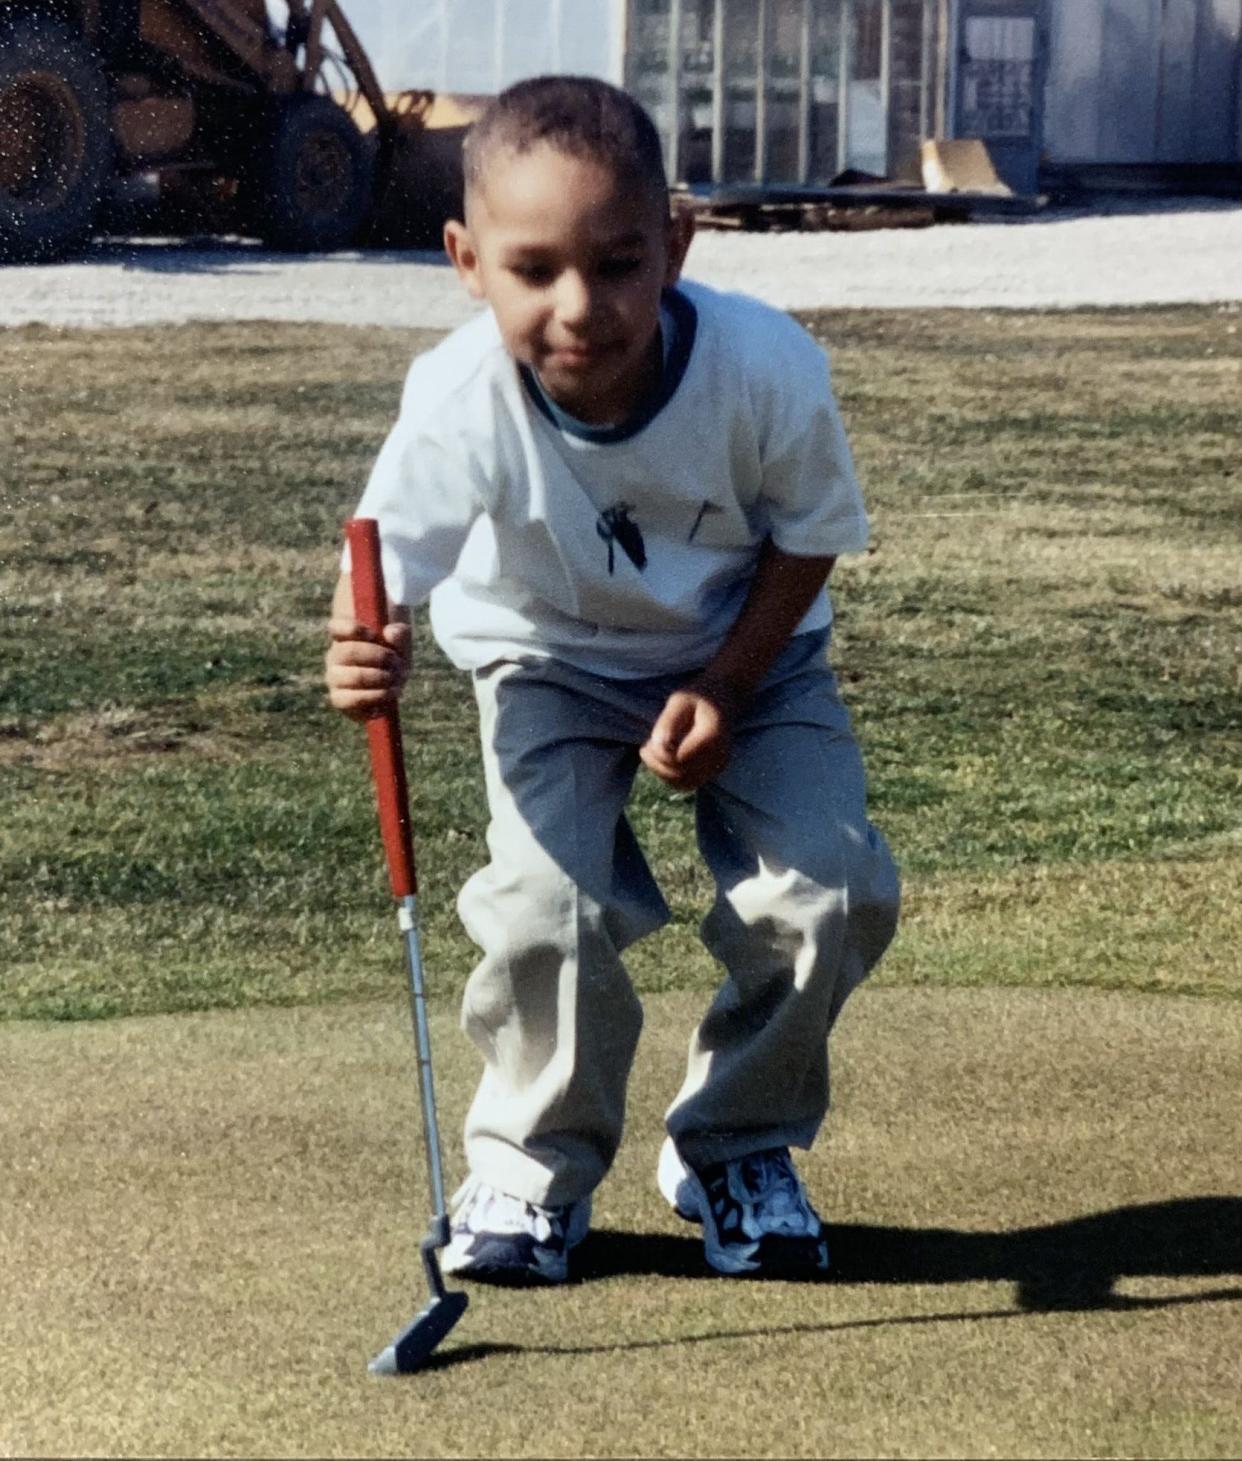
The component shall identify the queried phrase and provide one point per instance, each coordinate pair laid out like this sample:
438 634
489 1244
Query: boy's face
572 263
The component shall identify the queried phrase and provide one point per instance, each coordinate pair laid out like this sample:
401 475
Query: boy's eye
619 268
532 273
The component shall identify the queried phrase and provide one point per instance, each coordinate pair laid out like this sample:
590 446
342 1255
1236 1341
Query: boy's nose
574 301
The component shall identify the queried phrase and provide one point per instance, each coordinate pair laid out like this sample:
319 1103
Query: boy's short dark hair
580 116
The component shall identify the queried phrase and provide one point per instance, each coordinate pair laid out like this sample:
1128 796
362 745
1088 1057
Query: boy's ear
680 232
459 246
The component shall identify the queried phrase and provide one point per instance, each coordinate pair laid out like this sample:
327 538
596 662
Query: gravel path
1181 251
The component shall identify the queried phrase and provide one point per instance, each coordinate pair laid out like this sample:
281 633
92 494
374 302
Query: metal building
1143 83
783 91
793 92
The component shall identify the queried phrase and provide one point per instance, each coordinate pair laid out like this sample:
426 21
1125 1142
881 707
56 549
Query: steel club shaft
415 1343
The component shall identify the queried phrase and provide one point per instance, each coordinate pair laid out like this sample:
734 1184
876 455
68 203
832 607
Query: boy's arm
783 589
363 673
690 742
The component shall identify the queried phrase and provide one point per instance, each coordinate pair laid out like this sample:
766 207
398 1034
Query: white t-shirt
625 552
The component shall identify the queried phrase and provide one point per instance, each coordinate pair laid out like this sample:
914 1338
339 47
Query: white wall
1219 74
481 46
1143 81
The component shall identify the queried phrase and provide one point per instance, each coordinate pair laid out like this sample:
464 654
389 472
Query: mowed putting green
210 1224
209 1209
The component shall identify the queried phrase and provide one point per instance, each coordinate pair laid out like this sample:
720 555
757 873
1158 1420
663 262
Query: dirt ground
210 1223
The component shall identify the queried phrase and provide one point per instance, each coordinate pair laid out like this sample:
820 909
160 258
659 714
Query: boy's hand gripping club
443 1309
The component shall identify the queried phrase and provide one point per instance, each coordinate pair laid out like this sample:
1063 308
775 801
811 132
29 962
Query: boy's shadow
1073 1264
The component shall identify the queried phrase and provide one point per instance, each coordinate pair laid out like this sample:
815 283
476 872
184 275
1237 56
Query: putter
410 1349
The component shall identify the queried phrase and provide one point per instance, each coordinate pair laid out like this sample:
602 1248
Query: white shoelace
489 1211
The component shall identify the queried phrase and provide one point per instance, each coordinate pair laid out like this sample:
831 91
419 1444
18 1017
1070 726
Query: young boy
624 496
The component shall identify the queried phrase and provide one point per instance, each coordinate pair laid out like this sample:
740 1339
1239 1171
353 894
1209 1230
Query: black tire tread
273 207
29 40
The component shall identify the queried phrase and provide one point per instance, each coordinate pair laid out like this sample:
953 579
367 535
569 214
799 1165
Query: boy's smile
572 262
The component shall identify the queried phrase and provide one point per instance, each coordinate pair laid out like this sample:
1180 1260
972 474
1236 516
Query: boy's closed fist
363 673
690 742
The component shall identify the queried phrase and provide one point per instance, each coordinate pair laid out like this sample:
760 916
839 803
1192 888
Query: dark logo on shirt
616 526
708 506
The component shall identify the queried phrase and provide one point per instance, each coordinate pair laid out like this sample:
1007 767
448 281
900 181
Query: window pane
907 96
997 77
867 132
697 60
784 89
825 86
646 64
866 39
741 39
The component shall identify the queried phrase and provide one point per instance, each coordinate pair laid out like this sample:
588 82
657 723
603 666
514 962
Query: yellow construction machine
266 116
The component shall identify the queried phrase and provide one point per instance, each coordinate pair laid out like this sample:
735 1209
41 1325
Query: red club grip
384 729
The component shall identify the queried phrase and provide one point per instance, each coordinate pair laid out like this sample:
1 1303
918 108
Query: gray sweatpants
806 902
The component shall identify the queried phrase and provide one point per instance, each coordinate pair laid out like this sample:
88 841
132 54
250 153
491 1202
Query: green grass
1041 651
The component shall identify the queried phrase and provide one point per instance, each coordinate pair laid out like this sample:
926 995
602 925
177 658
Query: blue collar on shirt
678 323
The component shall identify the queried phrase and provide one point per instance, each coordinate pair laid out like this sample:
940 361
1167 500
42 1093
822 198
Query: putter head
409 1351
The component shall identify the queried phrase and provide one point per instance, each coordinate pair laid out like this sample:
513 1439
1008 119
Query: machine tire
312 185
55 137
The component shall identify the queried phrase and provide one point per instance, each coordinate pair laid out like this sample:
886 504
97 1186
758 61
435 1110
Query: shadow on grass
1067 1266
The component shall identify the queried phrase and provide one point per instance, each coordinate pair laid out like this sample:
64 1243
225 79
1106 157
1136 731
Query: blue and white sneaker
755 1213
495 1238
